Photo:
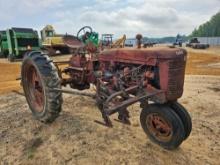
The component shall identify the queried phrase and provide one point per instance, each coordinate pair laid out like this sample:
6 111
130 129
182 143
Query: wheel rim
159 127
34 89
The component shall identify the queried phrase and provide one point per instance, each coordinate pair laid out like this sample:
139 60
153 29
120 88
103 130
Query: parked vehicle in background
53 42
149 44
106 40
3 44
179 41
195 44
15 42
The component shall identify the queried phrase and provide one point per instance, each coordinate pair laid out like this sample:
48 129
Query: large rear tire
162 125
39 76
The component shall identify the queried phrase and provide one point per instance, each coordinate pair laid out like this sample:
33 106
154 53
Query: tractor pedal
107 120
123 117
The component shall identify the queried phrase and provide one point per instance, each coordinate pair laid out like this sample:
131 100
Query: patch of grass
31 146
30 153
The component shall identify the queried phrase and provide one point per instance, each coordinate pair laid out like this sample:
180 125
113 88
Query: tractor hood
142 56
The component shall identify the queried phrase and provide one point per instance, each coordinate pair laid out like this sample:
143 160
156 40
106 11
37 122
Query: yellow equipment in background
119 43
53 42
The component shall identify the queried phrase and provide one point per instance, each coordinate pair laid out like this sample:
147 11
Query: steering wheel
84 32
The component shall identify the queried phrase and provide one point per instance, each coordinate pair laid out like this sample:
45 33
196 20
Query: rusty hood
142 56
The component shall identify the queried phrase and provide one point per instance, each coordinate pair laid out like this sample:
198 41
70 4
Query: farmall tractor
154 77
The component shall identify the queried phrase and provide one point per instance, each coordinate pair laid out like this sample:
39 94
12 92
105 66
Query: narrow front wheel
162 125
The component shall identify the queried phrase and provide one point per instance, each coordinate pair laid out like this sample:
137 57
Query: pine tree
208 29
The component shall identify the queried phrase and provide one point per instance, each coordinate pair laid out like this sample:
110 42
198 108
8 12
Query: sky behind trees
152 18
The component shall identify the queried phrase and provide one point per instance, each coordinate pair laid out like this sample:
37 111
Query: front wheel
162 125
39 77
184 116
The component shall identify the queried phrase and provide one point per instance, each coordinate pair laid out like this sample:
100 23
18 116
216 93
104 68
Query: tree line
209 29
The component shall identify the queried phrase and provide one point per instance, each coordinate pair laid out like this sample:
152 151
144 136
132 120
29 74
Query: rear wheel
162 125
39 76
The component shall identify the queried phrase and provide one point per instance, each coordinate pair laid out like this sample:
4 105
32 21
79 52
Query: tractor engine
152 70
120 76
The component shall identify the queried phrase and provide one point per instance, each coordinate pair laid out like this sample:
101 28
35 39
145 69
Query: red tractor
154 77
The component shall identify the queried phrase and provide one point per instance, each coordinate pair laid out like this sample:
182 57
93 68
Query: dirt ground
74 138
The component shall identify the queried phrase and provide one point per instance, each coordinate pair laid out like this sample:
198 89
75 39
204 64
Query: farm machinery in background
53 42
195 44
119 43
122 77
178 41
149 44
3 44
107 41
15 42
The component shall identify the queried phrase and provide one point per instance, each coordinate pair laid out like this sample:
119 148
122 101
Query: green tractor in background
15 42
89 38
3 45
53 42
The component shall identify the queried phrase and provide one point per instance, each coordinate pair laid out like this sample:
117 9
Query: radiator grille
176 78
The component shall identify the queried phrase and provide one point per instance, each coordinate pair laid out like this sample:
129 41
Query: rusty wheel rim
159 127
35 89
